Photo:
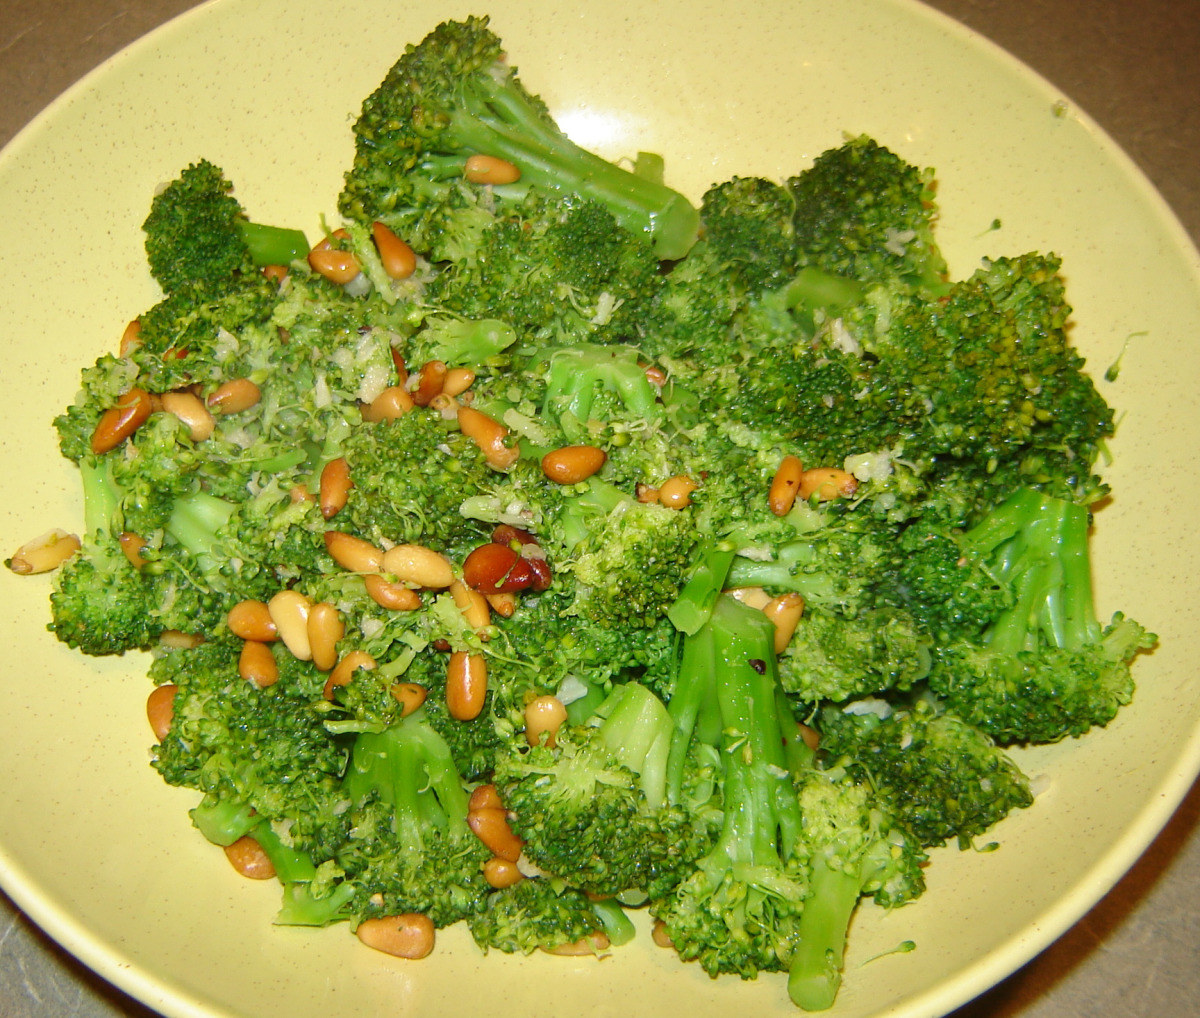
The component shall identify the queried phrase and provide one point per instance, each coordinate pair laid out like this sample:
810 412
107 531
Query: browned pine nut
44 553
334 487
491 827
573 463
500 873
118 422
484 169
504 605
249 858
544 715
429 381
344 670
275 273
647 494
399 260
410 696
785 485
418 565
191 412
466 685
827 483
457 381
410 935
132 545
353 553
131 338
784 611
334 264
234 396
497 569
257 664
395 401
325 629
659 934
472 604
484 797
489 435
160 709
289 611
676 492
251 620
394 597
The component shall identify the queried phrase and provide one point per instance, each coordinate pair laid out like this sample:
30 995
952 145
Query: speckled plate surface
102 854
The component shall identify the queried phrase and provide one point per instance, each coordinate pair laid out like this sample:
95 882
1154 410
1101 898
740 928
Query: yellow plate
102 854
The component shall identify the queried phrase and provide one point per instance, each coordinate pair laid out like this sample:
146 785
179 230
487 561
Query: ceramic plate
103 855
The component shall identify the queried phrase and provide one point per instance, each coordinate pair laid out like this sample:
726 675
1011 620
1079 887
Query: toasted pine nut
394 597
544 715
300 493
500 873
466 685
489 435
484 797
118 422
334 488
335 265
177 639
257 664
483 169
754 597
325 629
827 483
353 553
811 737
191 411
44 553
132 545
410 696
676 492
234 396
472 604
251 620
248 857
131 338
785 485
491 827
399 260
395 401
410 935
503 604
160 709
457 381
429 381
289 611
344 670
659 934
573 463
647 494
593 943
421 566
785 611
497 568
656 376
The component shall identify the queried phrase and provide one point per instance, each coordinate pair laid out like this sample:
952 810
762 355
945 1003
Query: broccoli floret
453 96
1043 668
537 914
944 779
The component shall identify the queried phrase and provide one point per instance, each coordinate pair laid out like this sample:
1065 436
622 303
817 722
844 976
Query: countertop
1133 68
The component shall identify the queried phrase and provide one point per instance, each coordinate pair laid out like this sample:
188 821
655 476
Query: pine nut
785 485
484 169
504 605
410 935
472 604
484 797
257 664
827 483
573 463
251 620
593 943
275 273
676 492
249 858
160 709
131 338
177 639
647 494
325 629
489 435
335 265
395 401
44 553
234 396
418 565
466 685
659 934
544 715
457 381
118 422
500 873
344 670
399 260
289 611
194 415
334 487
353 553
656 376
410 696
491 827
132 545
394 597
753 597
497 569
785 611
429 381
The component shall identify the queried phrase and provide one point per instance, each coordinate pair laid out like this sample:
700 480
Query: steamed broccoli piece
591 809
586 379
853 847
460 342
1044 668
944 779
536 914
453 96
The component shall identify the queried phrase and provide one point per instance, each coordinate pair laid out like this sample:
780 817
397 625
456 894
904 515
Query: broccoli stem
693 607
815 972
100 495
301 908
273 245
195 520
637 729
